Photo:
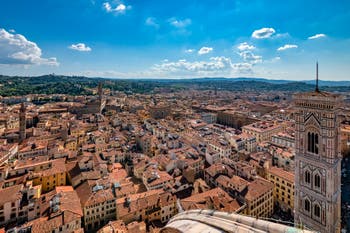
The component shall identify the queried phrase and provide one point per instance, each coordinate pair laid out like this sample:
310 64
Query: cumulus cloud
249 57
179 23
81 47
215 66
316 36
263 33
119 8
16 49
287 46
205 50
151 21
245 46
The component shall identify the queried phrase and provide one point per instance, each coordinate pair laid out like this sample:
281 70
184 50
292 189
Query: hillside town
127 162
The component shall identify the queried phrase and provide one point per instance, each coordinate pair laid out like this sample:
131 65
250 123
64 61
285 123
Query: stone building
318 161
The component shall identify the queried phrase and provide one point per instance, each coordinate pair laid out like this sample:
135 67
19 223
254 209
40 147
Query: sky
176 39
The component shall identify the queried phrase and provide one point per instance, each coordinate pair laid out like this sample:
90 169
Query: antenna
316 89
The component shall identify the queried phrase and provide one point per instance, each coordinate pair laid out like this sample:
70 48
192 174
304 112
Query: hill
78 85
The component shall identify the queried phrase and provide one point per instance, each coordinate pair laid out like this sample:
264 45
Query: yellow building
71 144
49 178
78 132
284 187
259 198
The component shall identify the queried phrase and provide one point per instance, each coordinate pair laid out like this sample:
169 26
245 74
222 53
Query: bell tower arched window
317 181
307 177
307 205
317 211
312 142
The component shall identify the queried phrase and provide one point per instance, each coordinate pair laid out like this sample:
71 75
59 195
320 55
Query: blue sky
176 39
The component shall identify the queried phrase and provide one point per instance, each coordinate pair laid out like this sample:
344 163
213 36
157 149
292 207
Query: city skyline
133 39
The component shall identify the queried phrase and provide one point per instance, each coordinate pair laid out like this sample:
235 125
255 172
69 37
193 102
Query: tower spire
316 89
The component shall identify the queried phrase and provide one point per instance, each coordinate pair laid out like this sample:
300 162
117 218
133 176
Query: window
317 211
317 181
312 142
307 205
307 177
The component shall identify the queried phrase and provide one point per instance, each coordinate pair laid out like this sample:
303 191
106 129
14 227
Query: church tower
101 100
100 91
22 123
318 160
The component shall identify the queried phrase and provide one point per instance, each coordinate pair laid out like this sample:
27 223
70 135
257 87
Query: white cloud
16 49
189 50
263 33
287 46
179 23
151 21
107 6
249 57
316 36
205 50
245 46
80 47
119 8
216 66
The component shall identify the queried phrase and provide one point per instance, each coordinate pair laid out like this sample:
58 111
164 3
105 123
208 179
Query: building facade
318 161
283 187
263 131
259 198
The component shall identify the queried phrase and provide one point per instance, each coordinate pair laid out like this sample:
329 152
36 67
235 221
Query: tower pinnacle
316 89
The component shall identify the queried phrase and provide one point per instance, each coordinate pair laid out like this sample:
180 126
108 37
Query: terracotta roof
257 188
289 176
214 199
45 224
117 226
89 197
10 194
58 166
141 201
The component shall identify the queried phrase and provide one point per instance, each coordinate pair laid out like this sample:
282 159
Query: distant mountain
329 83
280 81
78 85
